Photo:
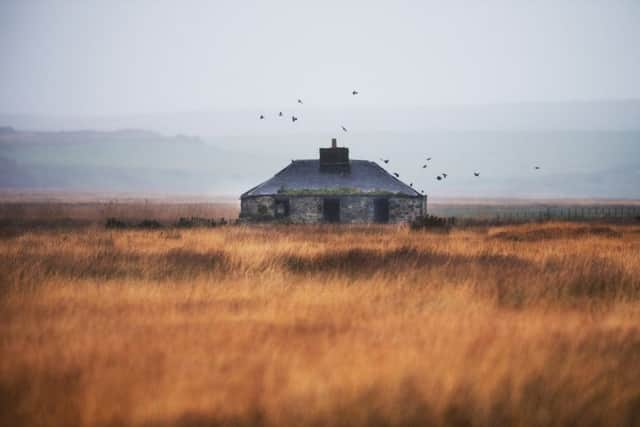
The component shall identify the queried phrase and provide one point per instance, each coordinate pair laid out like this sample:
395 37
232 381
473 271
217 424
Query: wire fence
532 213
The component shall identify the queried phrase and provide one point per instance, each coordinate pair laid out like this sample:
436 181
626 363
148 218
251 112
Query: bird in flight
385 160
294 118
536 167
476 173
439 178
444 175
424 166
344 128
261 116
397 174
428 158
299 101
354 93
280 114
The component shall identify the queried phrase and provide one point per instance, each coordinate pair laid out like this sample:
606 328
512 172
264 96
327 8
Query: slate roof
302 176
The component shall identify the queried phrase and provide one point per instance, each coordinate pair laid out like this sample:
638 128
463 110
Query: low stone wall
353 209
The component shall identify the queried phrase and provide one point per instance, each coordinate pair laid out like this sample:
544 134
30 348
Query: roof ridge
317 160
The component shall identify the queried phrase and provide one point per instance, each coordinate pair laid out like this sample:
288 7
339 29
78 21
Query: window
282 208
331 210
381 210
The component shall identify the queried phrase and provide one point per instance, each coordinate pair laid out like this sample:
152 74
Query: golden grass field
523 325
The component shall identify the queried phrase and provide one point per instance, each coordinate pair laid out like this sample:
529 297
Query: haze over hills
120 161
585 149
525 116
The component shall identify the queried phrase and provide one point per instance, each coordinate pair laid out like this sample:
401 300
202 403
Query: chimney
334 159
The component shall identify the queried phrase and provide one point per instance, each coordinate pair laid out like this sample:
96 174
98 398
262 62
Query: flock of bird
440 177
294 118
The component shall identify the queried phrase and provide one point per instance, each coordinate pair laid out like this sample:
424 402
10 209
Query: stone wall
257 208
405 209
305 210
353 209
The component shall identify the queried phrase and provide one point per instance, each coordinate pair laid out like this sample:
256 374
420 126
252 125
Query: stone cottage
332 189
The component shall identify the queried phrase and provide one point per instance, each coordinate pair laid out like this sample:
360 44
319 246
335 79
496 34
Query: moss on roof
342 191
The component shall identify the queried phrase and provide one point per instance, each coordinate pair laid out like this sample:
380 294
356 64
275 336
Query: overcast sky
123 57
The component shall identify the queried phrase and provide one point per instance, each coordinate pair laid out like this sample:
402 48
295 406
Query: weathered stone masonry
332 188
309 209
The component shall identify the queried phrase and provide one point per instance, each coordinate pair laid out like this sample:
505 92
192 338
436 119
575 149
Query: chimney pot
334 143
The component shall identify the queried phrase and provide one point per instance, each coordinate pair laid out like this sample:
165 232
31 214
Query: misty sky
124 57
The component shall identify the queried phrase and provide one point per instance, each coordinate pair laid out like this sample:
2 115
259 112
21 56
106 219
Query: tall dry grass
33 213
532 325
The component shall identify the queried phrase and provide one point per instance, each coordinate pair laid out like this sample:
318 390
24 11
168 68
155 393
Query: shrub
432 222
149 224
114 223
184 222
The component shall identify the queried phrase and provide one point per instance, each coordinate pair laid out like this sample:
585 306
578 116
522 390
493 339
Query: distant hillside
573 163
6 130
123 160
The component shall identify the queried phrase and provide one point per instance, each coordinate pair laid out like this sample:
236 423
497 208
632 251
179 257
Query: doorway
331 210
381 210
